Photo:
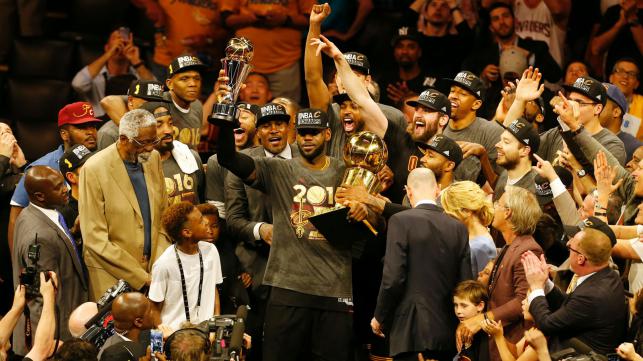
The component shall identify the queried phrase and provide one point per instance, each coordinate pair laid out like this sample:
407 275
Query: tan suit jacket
111 220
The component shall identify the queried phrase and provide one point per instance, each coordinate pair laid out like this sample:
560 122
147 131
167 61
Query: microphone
236 338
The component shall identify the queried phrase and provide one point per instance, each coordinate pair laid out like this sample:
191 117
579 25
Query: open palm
529 87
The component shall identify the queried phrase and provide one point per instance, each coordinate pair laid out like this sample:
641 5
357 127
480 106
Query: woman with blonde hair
468 203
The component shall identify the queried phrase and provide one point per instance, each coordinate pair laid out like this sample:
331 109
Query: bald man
80 316
132 315
41 223
427 255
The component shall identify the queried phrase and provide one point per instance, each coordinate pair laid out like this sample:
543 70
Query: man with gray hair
122 197
516 214
418 281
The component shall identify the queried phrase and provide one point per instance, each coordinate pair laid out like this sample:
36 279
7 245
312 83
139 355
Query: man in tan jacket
122 197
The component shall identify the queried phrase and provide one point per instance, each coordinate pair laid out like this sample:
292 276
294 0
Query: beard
313 153
507 163
162 148
143 157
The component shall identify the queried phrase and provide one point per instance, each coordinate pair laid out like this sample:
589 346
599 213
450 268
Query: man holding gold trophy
310 277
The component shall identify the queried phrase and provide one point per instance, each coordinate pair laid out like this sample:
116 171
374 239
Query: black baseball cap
272 111
445 146
149 90
252 108
152 106
358 61
594 223
433 99
543 189
124 351
405 33
470 82
341 98
311 118
184 63
589 87
73 158
525 132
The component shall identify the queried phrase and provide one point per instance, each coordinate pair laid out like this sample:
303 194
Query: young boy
184 278
232 292
469 300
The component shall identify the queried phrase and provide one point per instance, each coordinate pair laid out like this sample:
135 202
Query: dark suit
508 288
427 254
595 313
56 254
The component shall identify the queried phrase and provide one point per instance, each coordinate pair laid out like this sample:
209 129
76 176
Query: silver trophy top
239 49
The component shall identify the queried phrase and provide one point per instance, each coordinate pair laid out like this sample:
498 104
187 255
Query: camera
228 331
101 326
30 275
573 354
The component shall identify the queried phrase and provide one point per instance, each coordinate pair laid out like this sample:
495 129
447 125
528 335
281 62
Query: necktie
62 222
572 284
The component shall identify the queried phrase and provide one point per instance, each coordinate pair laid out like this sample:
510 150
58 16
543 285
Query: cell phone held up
156 343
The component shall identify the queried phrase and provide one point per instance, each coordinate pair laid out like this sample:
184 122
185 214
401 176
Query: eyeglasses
573 250
143 144
626 74
582 103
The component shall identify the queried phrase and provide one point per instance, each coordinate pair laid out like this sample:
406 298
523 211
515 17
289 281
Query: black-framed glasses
143 144
581 103
573 250
626 74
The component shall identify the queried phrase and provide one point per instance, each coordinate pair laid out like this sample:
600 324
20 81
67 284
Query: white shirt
549 285
166 284
51 214
424 201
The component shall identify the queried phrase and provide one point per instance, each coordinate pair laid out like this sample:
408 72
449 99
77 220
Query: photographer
44 338
42 242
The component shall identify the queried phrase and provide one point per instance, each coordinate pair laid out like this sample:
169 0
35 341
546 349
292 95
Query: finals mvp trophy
365 154
236 65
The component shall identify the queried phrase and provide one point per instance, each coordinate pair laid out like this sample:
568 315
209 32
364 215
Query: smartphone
156 342
125 32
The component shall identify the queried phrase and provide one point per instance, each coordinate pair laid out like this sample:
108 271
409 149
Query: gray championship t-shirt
107 135
338 136
481 131
551 141
527 182
301 259
181 186
187 124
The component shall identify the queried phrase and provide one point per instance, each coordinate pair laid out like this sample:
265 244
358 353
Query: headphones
192 331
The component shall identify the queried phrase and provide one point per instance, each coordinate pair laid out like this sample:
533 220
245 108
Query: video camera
101 326
228 330
30 275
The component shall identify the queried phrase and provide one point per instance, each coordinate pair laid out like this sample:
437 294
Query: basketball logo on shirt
308 202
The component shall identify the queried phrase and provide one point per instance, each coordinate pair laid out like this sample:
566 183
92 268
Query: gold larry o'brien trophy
365 154
236 65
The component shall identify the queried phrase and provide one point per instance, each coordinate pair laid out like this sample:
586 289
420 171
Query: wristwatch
581 173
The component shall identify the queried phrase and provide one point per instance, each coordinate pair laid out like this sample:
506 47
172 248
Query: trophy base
224 114
341 233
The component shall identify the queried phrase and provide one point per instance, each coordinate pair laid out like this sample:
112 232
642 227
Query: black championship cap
252 108
272 111
525 132
147 89
594 223
152 106
73 158
123 351
341 98
184 63
405 33
433 99
310 118
589 87
543 189
445 146
469 81
358 62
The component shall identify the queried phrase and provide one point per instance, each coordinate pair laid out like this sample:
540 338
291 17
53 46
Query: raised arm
528 88
10 319
44 337
318 94
374 119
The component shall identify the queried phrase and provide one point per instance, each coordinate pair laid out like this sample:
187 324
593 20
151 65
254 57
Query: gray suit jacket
245 207
56 254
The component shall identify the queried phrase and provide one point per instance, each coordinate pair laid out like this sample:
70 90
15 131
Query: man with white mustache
122 197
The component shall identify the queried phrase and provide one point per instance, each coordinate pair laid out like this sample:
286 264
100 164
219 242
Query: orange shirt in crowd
275 48
188 21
